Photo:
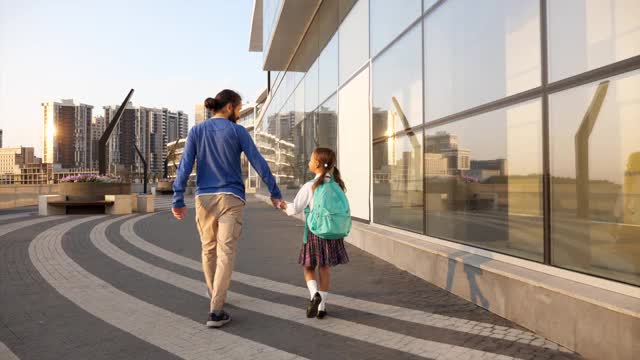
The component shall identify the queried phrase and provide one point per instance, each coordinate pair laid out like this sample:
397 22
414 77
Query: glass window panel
475 54
585 35
328 69
595 168
354 40
326 131
321 129
300 167
285 147
354 152
264 138
427 4
484 182
310 141
311 88
288 84
270 10
398 181
397 86
389 19
275 79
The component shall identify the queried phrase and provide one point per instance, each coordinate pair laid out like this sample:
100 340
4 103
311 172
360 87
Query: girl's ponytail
337 178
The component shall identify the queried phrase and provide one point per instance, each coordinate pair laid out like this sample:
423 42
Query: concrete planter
164 187
92 191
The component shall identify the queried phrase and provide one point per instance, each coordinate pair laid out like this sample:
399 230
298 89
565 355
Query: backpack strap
306 227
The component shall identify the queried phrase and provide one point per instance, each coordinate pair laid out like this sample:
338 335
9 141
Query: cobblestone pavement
130 287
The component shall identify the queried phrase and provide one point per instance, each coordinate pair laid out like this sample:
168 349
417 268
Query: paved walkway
130 287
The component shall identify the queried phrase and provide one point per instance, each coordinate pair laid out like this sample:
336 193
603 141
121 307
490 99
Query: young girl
318 252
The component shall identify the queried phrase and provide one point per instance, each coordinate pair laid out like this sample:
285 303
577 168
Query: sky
173 53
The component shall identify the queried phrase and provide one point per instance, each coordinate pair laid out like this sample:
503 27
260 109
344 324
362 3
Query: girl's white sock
323 303
313 288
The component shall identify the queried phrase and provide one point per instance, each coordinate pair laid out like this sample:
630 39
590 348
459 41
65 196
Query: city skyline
184 75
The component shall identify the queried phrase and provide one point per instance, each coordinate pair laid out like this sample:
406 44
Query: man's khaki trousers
219 220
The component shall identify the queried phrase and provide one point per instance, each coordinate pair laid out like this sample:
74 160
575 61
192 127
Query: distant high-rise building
10 158
98 126
67 134
149 131
148 128
0 138
176 126
121 152
440 142
202 113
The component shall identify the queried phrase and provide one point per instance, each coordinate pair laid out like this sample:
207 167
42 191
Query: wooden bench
61 205
83 206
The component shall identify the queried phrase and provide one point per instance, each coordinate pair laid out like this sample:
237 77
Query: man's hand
179 213
276 202
283 205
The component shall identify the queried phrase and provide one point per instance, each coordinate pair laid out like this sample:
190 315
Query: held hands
179 213
279 204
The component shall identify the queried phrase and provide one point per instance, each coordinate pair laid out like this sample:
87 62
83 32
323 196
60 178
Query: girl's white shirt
304 197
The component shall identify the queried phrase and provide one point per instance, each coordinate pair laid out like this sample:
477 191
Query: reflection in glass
269 12
300 167
484 182
320 130
397 74
397 160
478 54
328 68
427 4
389 19
354 40
595 168
310 142
585 35
326 131
275 141
397 180
311 88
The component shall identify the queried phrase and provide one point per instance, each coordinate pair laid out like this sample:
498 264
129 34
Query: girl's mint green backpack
330 217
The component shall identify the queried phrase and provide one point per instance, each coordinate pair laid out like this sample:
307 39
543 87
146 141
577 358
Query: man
220 197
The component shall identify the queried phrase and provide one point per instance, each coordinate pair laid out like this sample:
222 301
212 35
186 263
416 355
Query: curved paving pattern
395 312
175 334
14 216
6 353
347 329
37 322
131 287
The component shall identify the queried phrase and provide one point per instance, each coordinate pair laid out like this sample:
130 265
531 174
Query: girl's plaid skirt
322 252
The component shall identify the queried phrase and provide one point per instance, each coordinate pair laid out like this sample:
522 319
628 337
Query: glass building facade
510 126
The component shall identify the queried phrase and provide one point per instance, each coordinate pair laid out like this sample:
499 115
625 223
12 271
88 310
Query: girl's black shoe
216 321
322 314
312 309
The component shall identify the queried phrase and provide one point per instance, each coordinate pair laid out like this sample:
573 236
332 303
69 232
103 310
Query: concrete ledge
595 322
144 204
121 204
134 202
44 209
